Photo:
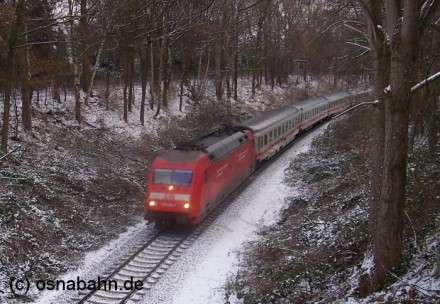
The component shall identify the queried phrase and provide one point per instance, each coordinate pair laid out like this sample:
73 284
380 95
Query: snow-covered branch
425 81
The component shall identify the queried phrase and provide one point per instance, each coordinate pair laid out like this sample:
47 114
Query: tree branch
12 151
424 82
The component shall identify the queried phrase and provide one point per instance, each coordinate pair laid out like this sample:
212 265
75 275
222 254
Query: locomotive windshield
172 177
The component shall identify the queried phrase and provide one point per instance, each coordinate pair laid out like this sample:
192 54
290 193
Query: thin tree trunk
218 75
144 70
9 75
95 69
24 78
77 88
75 63
166 74
56 83
125 92
182 81
84 30
130 80
107 88
153 74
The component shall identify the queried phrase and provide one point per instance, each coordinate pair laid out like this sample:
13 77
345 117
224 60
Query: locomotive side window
162 176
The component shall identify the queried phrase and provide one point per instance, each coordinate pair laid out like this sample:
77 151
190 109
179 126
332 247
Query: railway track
134 276
145 264
149 259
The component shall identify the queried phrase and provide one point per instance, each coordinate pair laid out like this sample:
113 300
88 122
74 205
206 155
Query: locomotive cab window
182 177
162 176
173 177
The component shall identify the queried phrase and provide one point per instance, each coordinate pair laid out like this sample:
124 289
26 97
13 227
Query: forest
49 46
50 49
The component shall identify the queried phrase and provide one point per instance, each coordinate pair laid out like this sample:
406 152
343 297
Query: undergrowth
315 252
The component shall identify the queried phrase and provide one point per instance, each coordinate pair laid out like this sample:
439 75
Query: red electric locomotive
187 183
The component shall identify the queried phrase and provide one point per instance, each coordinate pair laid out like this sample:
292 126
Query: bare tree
15 23
395 40
76 57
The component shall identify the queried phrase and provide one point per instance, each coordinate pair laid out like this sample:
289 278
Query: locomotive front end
172 196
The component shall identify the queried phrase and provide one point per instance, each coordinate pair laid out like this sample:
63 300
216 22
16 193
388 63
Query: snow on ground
247 215
200 273
93 265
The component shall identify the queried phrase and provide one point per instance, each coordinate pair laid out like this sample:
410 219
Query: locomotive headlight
186 205
170 187
152 203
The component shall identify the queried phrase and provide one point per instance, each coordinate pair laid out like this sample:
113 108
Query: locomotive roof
308 103
267 119
215 145
181 155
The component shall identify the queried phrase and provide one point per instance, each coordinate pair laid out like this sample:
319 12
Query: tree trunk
125 92
182 82
84 31
8 92
433 112
95 69
23 54
158 74
130 80
77 88
9 72
56 83
144 73
152 75
167 74
107 88
219 75
75 63
388 243
400 44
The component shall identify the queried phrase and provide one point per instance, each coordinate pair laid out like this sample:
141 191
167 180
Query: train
187 183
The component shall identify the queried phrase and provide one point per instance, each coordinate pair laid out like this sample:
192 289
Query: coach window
265 140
